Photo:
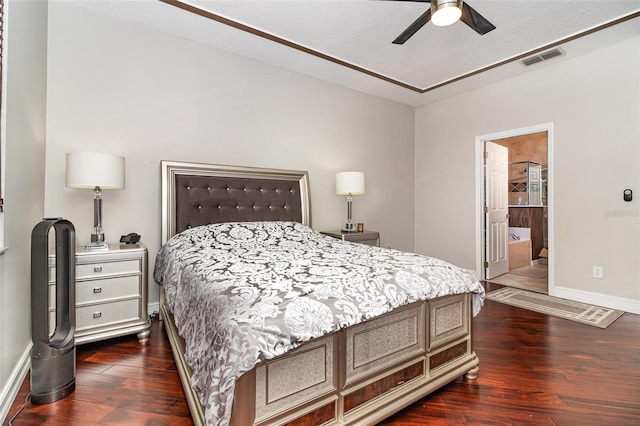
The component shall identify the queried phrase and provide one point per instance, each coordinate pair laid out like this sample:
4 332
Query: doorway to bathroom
514 188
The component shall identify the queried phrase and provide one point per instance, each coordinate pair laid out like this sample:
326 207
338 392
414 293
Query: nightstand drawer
101 269
370 238
107 313
101 314
107 268
105 289
108 288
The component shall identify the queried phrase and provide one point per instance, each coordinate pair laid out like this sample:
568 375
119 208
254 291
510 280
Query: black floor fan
53 356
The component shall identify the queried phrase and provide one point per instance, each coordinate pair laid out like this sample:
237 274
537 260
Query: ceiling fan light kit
445 12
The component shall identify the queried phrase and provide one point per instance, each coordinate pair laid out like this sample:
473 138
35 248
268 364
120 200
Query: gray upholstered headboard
196 194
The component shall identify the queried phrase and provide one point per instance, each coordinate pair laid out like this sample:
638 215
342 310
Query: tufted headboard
196 194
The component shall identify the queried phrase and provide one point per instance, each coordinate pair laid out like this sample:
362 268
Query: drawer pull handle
97 269
97 314
97 290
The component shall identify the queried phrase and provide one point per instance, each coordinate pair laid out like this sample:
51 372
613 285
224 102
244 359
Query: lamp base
96 246
348 228
97 238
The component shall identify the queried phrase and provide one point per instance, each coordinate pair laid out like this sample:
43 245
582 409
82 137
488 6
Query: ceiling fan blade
473 19
413 28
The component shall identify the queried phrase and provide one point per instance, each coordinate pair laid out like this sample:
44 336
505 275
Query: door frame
479 148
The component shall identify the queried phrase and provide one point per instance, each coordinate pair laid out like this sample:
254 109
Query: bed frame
359 375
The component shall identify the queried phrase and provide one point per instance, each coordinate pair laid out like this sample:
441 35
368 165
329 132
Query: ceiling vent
544 56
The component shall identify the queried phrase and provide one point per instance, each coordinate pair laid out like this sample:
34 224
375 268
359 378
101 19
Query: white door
496 210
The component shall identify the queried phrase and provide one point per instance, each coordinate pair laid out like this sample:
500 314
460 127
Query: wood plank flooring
532 278
534 370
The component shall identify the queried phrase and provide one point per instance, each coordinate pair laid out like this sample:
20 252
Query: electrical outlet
597 272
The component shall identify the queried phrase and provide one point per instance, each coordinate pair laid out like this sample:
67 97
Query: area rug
576 311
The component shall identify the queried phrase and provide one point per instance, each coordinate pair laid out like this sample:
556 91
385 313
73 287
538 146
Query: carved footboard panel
359 375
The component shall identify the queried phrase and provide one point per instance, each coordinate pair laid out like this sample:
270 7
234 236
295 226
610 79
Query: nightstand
111 293
371 238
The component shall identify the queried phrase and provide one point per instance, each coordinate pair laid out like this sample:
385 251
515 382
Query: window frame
3 118
2 115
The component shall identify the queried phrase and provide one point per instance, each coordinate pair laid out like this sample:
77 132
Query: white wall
26 54
121 88
594 103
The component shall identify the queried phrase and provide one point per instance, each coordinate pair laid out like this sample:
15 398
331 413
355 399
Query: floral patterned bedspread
245 292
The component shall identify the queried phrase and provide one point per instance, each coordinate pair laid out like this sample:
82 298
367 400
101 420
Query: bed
363 367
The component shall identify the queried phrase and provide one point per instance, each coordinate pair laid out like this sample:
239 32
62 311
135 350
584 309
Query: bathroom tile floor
533 278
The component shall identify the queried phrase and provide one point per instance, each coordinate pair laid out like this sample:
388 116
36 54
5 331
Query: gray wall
148 96
593 102
24 134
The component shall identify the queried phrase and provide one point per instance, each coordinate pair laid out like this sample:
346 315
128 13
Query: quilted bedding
246 292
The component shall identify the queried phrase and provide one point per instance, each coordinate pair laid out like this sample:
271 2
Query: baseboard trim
611 302
16 379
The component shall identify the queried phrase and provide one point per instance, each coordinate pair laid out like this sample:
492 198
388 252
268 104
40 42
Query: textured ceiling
349 42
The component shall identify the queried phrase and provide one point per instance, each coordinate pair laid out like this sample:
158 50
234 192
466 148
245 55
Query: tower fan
53 355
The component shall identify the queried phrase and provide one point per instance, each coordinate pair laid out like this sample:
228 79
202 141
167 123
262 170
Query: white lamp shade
91 169
349 183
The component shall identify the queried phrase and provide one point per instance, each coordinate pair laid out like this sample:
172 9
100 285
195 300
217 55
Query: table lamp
349 184
97 171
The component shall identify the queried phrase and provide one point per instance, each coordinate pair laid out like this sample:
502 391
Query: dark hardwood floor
534 370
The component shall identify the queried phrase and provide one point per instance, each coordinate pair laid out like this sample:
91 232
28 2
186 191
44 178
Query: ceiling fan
446 12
